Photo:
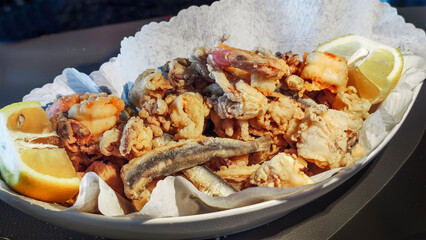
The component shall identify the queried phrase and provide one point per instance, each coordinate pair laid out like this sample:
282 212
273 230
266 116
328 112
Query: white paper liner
280 25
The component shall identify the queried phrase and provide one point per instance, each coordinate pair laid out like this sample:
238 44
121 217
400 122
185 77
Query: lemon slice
30 162
374 68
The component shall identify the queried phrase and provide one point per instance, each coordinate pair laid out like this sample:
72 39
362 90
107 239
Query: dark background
21 19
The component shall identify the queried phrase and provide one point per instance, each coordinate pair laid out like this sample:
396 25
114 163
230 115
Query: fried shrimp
97 111
262 71
80 120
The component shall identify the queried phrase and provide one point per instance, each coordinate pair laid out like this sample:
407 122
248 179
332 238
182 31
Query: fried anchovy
208 182
163 161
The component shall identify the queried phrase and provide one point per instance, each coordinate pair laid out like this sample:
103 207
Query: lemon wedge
374 68
30 161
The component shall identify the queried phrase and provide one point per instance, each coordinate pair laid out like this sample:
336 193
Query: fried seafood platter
225 119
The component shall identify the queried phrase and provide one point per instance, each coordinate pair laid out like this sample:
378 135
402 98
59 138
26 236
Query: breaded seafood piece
349 101
240 100
109 143
187 114
96 111
295 83
233 128
263 71
282 116
329 137
283 170
148 85
136 138
326 71
132 141
237 173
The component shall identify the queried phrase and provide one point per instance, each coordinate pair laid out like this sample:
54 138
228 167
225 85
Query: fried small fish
163 161
208 182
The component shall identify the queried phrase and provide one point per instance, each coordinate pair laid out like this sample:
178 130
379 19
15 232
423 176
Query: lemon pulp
30 162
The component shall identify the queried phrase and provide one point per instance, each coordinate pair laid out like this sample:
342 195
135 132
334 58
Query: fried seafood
233 128
295 83
264 72
97 111
109 143
282 116
225 119
208 182
240 100
237 175
325 71
187 113
131 140
80 120
139 172
136 138
149 85
283 170
349 101
329 137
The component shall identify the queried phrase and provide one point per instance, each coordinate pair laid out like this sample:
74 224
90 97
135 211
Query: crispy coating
263 71
283 170
327 137
158 123
96 112
282 113
188 75
149 85
295 83
109 143
326 71
240 100
237 173
233 128
349 101
295 66
136 138
99 112
132 141
187 114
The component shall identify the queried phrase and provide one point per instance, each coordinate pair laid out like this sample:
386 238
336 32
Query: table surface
385 200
